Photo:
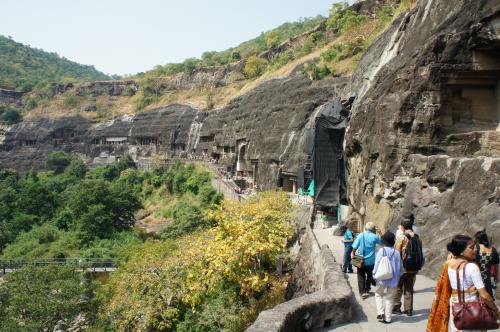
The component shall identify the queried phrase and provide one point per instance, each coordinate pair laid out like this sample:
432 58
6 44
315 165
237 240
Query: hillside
265 41
23 67
317 47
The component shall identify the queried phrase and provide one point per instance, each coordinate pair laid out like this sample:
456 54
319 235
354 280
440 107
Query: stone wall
325 294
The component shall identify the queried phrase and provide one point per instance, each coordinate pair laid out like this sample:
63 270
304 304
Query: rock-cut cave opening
470 100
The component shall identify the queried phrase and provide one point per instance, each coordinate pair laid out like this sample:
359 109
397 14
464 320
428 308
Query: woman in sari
462 254
487 260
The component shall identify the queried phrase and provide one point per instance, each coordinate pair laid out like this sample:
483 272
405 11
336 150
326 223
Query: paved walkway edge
330 305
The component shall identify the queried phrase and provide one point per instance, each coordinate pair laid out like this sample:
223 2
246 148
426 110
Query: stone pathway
365 312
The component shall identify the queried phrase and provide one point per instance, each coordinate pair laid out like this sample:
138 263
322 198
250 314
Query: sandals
364 296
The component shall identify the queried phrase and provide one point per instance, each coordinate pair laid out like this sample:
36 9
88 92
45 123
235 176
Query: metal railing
90 264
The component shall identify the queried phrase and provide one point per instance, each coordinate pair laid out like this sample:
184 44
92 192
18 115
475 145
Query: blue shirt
348 236
365 245
397 266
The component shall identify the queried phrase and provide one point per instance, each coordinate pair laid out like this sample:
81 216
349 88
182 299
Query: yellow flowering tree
162 282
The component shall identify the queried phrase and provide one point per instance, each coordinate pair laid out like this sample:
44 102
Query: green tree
254 66
98 209
35 198
273 38
22 67
9 115
46 241
77 169
58 161
341 18
37 298
187 217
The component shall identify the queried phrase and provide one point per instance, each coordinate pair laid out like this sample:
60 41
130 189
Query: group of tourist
392 270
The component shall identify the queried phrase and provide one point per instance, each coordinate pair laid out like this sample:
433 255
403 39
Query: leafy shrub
35 198
209 100
316 38
254 66
30 103
209 196
273 38
341 18
187 217
113 247
385 14
10 115
46 241
220 312
77 169
315 72
131 178
37 298
58 161
332 53
281 60
69 100
341 51
112 171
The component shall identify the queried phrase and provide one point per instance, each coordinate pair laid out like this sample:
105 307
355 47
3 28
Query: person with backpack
414 228
409 246
387 271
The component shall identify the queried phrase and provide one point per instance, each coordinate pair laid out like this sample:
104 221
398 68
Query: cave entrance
470 101
289 183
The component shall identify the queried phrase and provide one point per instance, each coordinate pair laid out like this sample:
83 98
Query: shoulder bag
474 315
359 260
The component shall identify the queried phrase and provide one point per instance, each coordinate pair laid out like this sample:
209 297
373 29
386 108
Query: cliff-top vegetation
23 67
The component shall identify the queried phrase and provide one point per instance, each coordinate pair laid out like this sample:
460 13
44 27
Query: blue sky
126 37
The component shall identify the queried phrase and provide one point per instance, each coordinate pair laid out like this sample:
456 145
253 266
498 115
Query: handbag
358 260
384 268
475 315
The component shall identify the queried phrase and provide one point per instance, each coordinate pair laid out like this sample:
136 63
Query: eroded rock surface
256 133
424 133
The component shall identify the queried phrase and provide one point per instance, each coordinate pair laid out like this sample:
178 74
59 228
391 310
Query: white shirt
415 230
472 277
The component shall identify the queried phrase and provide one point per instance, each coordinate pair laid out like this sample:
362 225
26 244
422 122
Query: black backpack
414 259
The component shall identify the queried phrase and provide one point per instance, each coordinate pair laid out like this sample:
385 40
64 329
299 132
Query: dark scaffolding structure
326 148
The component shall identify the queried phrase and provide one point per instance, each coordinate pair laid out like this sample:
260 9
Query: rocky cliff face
424 135
10 97
256 134
264 130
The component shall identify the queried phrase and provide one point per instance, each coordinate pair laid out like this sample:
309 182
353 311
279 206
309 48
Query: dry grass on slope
359 37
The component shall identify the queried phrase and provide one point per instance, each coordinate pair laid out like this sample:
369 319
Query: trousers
346 266
384 299
365 278
405 288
